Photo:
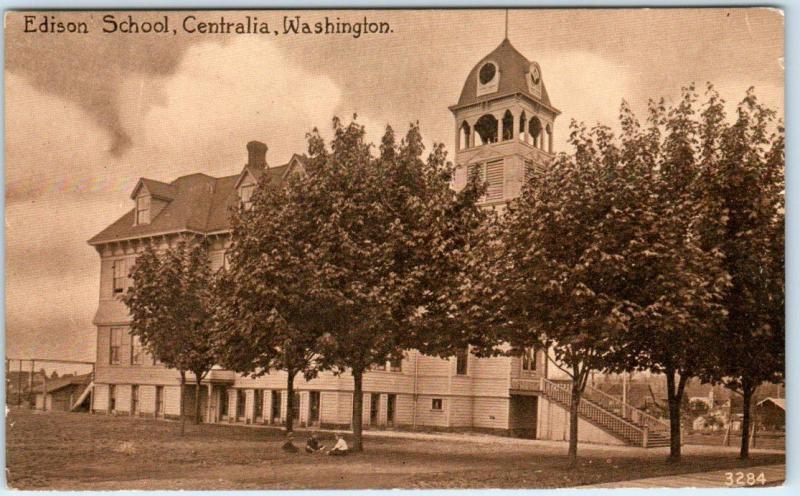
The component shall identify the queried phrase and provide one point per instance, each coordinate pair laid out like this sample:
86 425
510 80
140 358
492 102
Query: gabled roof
157 189
199 204
513 71
779 402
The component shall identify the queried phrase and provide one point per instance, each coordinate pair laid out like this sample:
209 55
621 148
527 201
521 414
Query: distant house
63 393
771 413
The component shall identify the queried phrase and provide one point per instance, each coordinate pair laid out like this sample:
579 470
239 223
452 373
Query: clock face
487 73
536 78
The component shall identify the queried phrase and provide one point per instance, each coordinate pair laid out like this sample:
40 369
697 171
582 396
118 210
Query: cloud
65 184
220 97
586 87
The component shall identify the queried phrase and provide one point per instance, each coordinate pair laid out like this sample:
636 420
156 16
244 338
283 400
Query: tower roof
513 69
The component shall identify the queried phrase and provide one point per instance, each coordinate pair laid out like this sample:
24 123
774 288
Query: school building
503 123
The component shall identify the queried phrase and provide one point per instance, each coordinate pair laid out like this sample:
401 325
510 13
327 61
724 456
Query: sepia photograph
395 249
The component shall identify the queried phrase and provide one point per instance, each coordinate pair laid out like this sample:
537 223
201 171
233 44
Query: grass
80 451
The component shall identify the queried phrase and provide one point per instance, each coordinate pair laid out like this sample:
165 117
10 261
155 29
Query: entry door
391 406
374 406
313 408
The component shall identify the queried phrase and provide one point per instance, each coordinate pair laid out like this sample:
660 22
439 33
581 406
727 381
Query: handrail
568 393
659 423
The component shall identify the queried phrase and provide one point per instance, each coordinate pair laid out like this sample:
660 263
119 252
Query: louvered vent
494 176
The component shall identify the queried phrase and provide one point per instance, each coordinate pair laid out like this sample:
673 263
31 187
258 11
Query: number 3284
744 479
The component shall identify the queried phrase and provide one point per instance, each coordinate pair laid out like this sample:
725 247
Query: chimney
256 154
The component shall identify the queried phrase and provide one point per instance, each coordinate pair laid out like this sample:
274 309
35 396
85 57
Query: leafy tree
562 267
170 307
675 286
265 319
742 184
363 247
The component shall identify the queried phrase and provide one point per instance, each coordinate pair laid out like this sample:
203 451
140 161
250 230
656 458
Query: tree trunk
183 402
574 406
358 407
290 400
674 396
198 378
747 396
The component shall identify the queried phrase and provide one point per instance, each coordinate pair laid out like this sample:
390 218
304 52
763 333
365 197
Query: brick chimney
256 154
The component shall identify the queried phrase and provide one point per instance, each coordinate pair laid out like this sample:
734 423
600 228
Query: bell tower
504 124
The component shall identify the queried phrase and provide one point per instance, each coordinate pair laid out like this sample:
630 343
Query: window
462 358
436 404
142 210
120 270
276 406
241 398
159 401
529 358
246 195
258 400
296 407
115 350
112 398
396 365
136 351
134 399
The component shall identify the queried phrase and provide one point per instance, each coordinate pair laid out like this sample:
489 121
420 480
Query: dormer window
142 210
246 195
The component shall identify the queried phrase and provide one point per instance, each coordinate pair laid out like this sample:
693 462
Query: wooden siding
490 413
123 402
100 397
147 399
553 424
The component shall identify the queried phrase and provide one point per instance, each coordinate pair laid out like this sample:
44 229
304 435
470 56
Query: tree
362 246
170 307
742 184
562 264
265 320
675 286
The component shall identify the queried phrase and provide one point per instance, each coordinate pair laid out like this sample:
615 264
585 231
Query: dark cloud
89 69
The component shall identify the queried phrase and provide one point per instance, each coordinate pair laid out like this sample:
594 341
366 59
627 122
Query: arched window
535 131
549 132
522 121
508 126
465 134
486 129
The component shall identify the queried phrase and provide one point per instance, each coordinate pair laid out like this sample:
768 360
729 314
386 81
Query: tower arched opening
508 126
486 129
522 122
535 131
465 135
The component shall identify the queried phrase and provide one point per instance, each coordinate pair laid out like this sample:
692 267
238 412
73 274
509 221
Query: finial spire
506 36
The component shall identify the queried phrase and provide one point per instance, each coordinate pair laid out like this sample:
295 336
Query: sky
88 115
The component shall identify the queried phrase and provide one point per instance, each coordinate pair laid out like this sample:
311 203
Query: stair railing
626 410
629 431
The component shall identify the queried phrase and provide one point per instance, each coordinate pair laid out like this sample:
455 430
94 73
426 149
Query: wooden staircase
621 420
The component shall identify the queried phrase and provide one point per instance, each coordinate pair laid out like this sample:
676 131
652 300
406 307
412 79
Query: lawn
80 451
